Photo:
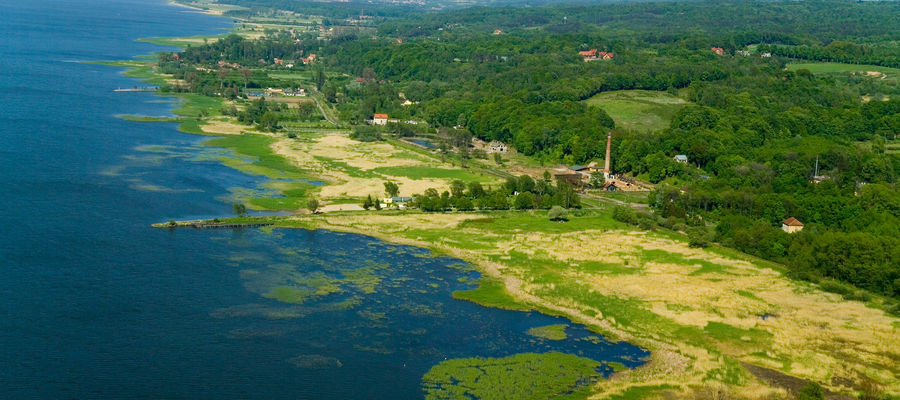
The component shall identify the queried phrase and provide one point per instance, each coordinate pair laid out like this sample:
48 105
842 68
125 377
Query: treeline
520 193
887 55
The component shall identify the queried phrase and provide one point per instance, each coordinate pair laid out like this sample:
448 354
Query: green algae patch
315 361
289 294
521 376
549 332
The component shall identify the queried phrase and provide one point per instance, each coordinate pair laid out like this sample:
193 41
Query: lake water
95 304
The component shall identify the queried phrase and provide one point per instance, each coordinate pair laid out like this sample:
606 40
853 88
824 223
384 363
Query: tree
312 205
464 204
320 77
391 189
239 208
246 73
597 180
377 202
476 191
457 188
368 203
525 201
558 213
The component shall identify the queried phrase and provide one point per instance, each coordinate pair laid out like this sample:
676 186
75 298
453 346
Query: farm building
792 225
681 158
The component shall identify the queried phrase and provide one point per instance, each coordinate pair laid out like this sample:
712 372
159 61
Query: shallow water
95 304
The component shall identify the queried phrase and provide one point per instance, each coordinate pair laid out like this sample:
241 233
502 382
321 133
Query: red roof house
791 225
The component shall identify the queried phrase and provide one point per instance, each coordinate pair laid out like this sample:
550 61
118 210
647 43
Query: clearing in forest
639 110
840 68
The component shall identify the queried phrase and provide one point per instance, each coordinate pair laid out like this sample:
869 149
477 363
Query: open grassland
713 319
874 71
639 110
182 42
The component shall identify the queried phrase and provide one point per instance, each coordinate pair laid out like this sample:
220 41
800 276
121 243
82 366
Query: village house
718 50
791 225
610 186
497 31
681 158
603 55
765 55
588 55
380 119
310 59
497 147
744 53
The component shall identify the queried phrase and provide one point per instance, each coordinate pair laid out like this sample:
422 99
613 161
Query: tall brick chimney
608 146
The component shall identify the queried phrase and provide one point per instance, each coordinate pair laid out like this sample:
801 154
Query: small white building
497 147
681 158
380 119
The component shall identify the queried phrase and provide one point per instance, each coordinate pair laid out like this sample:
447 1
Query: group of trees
520 193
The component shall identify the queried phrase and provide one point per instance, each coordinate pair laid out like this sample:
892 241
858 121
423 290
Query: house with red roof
379 119
588 55
718 50
792 225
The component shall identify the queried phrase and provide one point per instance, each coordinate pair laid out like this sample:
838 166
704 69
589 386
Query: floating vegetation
289 294
549 332
255 332
315 361
522 376
364 279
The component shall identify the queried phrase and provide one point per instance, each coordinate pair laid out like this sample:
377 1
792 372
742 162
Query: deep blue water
95 304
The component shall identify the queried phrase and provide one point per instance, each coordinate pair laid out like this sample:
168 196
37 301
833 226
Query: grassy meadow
840 68
638 110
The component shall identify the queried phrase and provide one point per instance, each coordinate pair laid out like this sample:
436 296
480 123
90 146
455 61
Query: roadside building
380 119
791 225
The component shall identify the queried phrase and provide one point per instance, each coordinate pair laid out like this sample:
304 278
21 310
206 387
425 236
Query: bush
558 213
812 391
698 237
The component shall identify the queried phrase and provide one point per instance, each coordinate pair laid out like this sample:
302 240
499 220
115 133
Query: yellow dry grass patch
365 156
219 127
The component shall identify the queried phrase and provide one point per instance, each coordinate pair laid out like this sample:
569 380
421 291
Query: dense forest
754 131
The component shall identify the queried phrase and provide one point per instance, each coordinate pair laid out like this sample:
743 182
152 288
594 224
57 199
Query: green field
838 68
639 110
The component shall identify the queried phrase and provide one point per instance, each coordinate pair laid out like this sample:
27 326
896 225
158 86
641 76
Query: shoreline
679 361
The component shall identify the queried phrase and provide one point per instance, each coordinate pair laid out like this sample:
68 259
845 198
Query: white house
380 119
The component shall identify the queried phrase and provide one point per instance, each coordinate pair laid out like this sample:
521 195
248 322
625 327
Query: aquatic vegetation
315 361
549 332
289 294
521 376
